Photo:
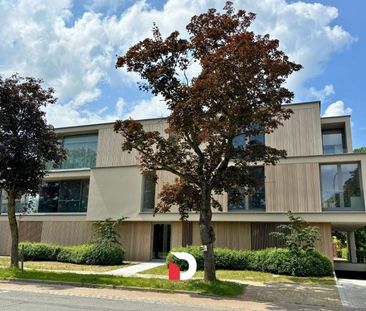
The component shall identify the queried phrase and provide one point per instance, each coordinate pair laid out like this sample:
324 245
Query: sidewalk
134 269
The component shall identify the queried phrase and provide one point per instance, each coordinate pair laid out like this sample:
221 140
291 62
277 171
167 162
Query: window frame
143 209
247 198
341 131
59 168
342 208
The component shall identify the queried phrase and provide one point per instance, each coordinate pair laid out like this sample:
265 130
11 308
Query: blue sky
72 45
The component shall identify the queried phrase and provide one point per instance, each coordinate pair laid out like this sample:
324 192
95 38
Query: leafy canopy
27 142
297 235
238 89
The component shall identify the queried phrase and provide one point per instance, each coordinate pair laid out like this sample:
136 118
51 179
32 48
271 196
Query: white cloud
145 109
323 93
337 109
38 38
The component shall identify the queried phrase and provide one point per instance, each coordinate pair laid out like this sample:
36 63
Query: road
30 296
28 301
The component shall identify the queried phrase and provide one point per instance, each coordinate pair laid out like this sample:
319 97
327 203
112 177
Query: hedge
89 254
274 260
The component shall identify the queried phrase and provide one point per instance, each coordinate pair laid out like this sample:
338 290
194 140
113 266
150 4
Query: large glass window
238 201
341 186
81 152
67 196
334 141
26 204
148 202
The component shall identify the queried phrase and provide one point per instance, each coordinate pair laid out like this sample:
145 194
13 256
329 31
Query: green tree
106 232
297 234
238 91
27 142
362 149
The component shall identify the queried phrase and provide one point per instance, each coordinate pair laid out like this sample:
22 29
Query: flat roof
85 126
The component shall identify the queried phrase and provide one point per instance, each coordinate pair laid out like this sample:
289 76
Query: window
148 192
67 196
26 204
82 152
254 201
241 140
341 186
334 141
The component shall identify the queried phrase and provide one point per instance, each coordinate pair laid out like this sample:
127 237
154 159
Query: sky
72 46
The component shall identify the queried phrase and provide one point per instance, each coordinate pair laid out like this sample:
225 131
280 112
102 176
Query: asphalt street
28 301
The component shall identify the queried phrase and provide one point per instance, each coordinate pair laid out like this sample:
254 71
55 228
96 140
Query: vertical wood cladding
67 232
301 134
5 238
176 234
235 235
109 151
136 240
187 233
261 237
30 231
293 187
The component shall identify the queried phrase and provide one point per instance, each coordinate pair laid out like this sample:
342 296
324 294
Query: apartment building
320 180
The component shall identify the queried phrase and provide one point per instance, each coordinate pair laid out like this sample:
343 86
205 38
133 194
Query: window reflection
81 152
334 142
341 187
239 201
68 196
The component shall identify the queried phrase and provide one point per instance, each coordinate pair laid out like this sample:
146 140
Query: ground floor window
66 196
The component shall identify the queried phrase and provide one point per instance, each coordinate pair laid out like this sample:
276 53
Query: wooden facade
301 134
293 187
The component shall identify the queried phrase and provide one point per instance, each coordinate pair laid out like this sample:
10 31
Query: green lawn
244 275
218 288
53 265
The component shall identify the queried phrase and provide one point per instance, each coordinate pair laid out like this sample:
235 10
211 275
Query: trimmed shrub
89 254
274 260
38 251
92 254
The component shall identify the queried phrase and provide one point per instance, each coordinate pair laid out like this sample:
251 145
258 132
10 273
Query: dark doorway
161 240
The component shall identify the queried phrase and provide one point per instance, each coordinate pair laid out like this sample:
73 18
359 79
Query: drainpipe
352 247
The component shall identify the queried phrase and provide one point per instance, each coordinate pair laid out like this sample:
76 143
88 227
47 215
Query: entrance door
161 240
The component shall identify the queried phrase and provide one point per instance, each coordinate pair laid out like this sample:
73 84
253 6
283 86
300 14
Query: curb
114 287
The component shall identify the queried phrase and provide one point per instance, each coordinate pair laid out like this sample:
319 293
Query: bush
39 251
92 254
89 254
273 260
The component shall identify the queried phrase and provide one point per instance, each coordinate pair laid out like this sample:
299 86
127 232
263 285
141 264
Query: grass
218 288
53 265
264 277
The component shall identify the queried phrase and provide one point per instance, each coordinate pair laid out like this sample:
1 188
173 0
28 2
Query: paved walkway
134 269
352 293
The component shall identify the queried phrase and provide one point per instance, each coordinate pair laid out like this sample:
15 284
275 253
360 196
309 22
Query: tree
27 142
362 149
297 235
106 232
238 91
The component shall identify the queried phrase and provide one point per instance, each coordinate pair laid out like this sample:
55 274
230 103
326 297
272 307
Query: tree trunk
14 258
207 238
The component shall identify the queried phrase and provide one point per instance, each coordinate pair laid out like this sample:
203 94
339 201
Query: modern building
320 180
